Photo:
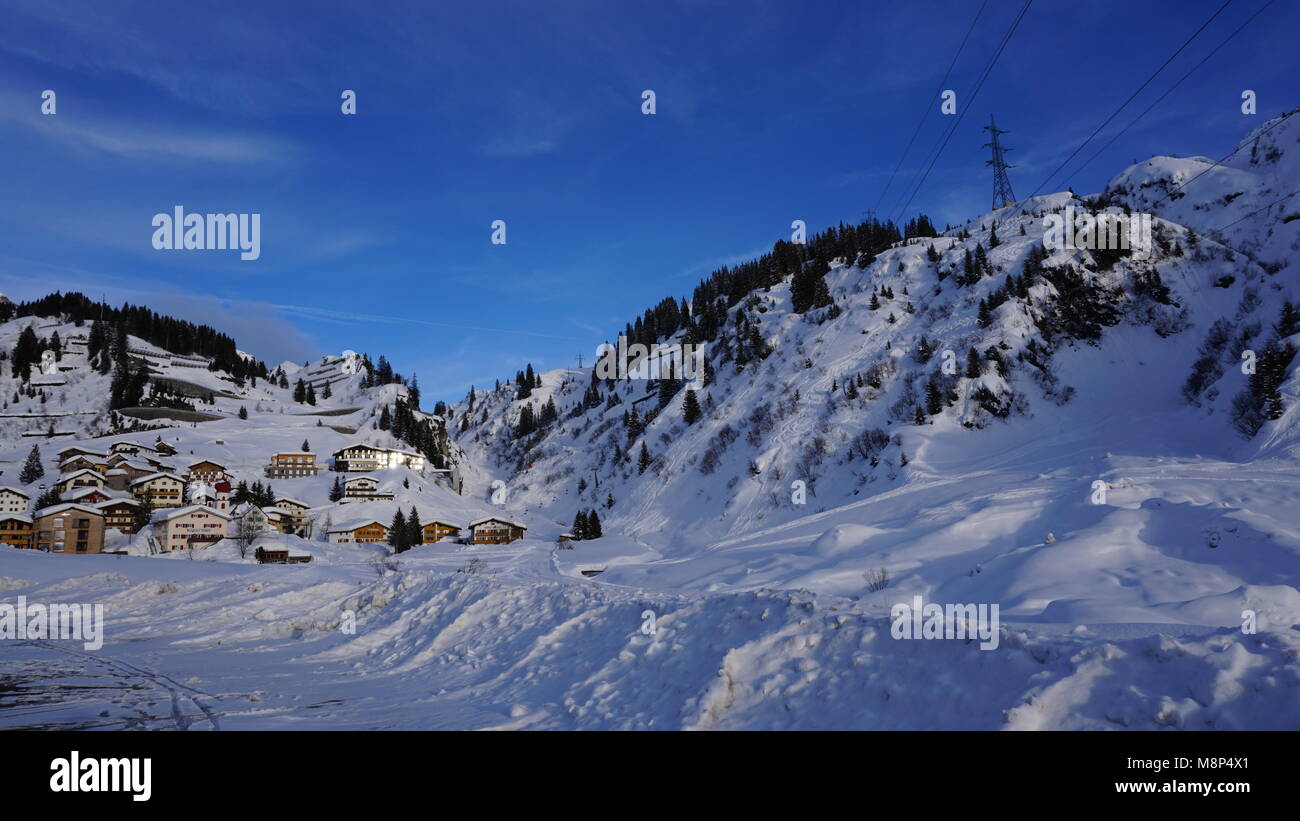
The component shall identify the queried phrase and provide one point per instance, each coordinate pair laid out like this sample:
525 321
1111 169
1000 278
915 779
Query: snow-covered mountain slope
1095 350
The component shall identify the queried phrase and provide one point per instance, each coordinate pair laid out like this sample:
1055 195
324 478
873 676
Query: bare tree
246 533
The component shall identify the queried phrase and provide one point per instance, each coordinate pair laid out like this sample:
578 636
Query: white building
13 500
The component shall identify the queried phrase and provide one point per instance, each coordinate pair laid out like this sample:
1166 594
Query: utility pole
1002 193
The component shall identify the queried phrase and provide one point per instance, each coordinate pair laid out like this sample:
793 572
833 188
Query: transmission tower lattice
1002 193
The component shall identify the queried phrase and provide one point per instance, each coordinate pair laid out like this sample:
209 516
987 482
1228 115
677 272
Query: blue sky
376 227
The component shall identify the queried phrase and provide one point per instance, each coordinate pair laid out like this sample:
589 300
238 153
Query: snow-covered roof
18 490
153 476
111 502
21 517
74 474
209 461
79 493
128 444
477 522
174 512
360 479
354 524
279 500
79 449
65 507
442 522
74 458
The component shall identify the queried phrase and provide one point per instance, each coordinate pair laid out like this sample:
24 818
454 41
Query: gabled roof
17 490
359 478
443 523
355 524
209 461
174 512
112 502
281 499
77 457
129 444
79 449
76 495
74 474
65 507
22 517
497 519
153 476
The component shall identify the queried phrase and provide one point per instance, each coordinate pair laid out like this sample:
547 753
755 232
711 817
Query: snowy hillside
1079 378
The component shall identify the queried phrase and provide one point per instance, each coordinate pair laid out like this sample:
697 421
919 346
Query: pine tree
311 395
579 526
306 446
414 530
933 396
397 534
243 412
609 500
593 525
32 469
972 364
643 461
690 408
385 418
336 490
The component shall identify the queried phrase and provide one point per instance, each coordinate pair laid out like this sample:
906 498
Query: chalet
282 554
79 479
69 452
281 520
435 530
80 462
117 479
131 448
136 469
362 531
163 449
495 530
296 511
363 487
159 489
69 528
292 465
193 526
13 499
361 458
16 529
85 496
119 514
249 520
206 470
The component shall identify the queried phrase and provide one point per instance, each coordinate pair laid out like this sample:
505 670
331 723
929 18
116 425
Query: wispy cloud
355 318
151 142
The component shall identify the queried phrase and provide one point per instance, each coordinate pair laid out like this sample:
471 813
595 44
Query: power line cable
925 115
1124 104
969 103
